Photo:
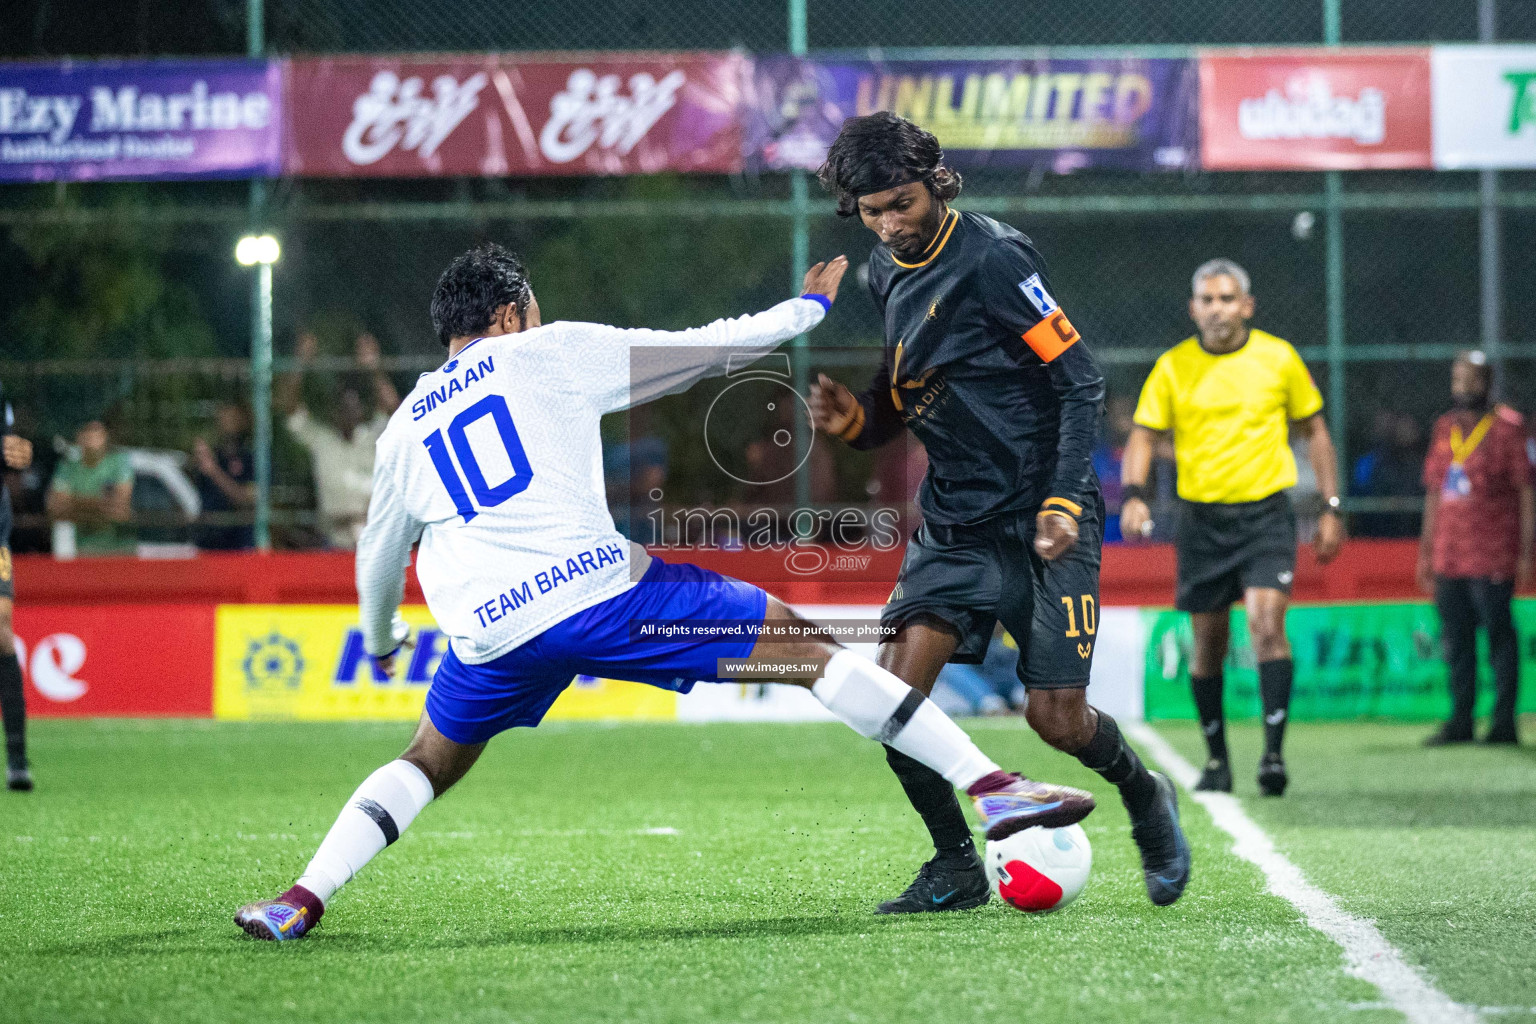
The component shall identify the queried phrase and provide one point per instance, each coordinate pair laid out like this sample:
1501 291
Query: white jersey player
494 465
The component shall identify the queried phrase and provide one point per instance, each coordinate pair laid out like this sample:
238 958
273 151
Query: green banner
1352 661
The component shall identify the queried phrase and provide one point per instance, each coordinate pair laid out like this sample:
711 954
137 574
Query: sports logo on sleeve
1034 290
1054 334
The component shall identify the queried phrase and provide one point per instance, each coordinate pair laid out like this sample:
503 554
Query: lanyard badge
1457 483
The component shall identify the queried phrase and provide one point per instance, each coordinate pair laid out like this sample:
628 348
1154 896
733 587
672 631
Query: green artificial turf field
724 873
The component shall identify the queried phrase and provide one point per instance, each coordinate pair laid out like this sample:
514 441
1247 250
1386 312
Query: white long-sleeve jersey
494 462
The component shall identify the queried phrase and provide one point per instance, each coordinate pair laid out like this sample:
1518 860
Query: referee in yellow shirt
1229 396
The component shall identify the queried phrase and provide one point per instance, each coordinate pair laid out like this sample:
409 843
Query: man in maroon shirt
1479 519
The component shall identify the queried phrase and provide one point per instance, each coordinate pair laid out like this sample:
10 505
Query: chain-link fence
124 303
148 27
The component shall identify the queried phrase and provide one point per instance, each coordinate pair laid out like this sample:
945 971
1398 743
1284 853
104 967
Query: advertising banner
496 115
116 660
1485 106
1057 113
1345 110
307 663
1352 661
85 121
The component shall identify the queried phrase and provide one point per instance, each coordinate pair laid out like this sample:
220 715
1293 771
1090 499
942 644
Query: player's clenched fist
833 406
823 278
18 452
1055 533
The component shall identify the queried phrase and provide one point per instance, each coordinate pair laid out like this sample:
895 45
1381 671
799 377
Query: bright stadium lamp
261 251
254 249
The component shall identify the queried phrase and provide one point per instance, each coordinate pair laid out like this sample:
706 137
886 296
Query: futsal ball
1040 869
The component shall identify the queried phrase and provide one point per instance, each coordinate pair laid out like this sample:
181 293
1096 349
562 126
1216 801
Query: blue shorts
472 703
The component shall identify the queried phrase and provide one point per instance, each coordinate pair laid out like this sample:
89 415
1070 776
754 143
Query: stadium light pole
800 262
1333 232
1490 238
261 312
261 251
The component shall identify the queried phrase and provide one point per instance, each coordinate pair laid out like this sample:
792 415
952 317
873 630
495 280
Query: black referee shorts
972 577
1224 549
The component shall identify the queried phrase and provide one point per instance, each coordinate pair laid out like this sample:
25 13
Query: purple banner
80 121
1058 114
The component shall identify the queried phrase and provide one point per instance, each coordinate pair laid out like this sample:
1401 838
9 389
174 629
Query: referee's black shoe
1272 777
1449 735
1164 850
1504 733
1216 778
955 881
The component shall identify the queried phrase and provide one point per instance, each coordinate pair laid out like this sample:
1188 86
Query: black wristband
1129 491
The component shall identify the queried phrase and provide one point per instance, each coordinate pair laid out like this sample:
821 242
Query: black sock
1207 691
934 799
1275 696
13 711
1109 755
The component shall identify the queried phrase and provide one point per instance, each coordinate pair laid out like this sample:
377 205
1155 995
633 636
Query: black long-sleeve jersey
985 368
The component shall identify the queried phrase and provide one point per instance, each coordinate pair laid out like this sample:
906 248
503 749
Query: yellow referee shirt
1230 416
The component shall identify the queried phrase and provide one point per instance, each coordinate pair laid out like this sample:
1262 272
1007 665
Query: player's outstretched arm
383 553
628 367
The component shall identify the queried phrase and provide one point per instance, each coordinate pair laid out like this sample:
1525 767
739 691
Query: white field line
1368 955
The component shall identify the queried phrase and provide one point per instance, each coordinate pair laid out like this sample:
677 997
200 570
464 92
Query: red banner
496 115
1315 110
133 660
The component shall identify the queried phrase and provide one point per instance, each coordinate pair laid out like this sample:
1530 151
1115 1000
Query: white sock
879 706
381 809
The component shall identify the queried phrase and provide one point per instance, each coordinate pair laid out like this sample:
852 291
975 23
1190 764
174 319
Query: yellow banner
306 663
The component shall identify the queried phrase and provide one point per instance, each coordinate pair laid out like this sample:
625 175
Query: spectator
1391 469
899 472
340 452
225 481
772 464
990 688
29 490
1119 419
636 472
92 491
1479 523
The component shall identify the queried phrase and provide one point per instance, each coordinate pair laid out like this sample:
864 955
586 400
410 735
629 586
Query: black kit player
982 365
17 455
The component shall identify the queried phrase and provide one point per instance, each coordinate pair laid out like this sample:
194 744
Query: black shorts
972 577
1224 549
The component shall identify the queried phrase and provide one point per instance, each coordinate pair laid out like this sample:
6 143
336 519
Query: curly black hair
474 287
881 151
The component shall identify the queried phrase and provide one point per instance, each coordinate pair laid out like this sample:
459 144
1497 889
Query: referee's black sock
13 711
1275 696
934 799
1207 691
1109 755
